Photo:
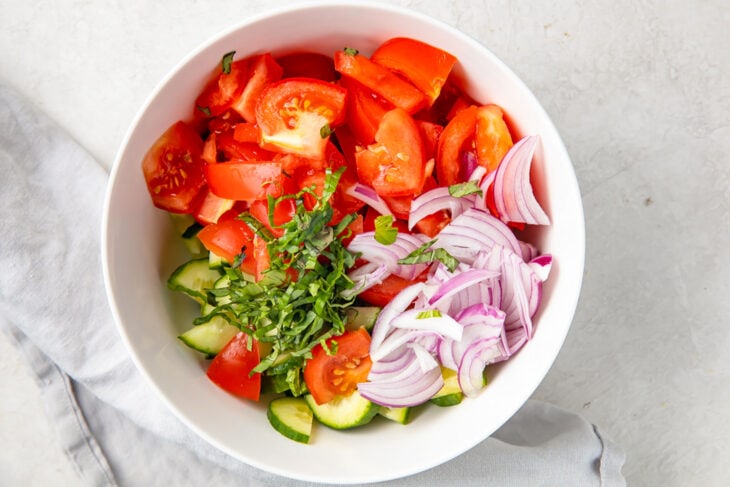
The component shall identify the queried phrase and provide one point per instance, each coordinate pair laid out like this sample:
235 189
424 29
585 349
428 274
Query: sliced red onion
367 195
469 163
460 282
414 319
435 200
476 357
366 277
481 203
529 251
398 339
400 303
406 387
513 195
480 322
424 358
474 231
373 251
477 174
541 265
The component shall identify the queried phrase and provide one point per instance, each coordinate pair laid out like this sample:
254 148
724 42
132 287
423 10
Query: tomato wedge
328 376
231 368
424 65
395 164
295 114
306 64
383 293
212 207
493 138
365 110
220 93
245 180
264 70
173 169
228 238
456 137
283 212
381 80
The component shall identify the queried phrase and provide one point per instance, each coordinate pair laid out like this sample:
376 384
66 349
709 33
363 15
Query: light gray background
640 91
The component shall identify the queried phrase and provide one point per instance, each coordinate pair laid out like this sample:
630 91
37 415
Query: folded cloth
113 427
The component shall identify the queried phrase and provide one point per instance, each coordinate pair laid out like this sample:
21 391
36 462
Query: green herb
325 131
385 232
303 304
464 189
192 230
226 62
429 313
205 110
425 254
351 52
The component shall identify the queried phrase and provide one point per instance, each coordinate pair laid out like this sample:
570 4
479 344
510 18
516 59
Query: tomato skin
305 64
383 293
328 376
493 138
264 70
292 112
231 368
220 93
424 65
173 169
456 137
283 213
245 180
365 110
212 207
227 238
395 164
382 81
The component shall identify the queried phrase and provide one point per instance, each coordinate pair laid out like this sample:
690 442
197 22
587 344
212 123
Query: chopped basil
226 62
325 131
351 52
429 313
464 189
385 232
205 110
425 255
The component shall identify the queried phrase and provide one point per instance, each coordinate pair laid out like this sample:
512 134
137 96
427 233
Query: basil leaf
464 189
425 255
226 62
206 111
351 52
325 131
385 232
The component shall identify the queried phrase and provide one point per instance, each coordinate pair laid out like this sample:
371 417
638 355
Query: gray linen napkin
112 426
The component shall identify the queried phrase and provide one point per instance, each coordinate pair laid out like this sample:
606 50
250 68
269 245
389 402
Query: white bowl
139 252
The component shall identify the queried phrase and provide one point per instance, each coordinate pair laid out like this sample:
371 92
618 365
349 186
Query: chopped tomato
424 65
305 64
295 114
220 93
245 180
356 227
430 133
210 150
381 80
338 374
224 122
432 224
261 256
493 138
283 212
246 132
212 207
230 147
229 238
264 70
365 110
457 136
342 204
231 368
173 169
394 165
383 293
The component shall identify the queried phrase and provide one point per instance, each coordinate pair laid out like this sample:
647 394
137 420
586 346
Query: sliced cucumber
450 394
210 337
187 228
343 412
361 317
193 278
292 417
399 415
216 261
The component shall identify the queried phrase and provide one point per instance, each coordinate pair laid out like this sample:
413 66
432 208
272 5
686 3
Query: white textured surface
641 94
